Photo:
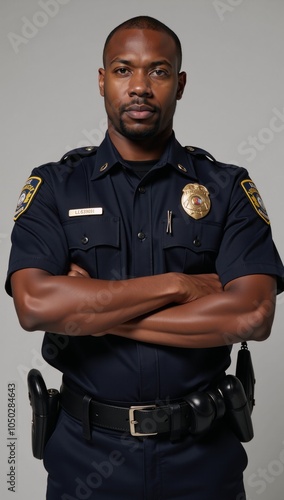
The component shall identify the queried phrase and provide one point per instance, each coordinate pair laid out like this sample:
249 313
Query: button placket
142 238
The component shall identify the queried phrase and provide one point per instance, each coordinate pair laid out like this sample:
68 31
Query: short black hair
148 23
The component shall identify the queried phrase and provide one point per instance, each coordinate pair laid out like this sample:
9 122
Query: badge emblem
28 192
195 200
254 197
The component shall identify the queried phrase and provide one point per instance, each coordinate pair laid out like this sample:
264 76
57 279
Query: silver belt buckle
133 422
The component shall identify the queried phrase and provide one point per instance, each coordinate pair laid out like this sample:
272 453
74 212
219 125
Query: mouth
139 111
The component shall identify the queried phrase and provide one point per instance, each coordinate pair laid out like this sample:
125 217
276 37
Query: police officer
144 261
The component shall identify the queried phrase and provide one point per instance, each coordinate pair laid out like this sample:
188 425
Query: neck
148 149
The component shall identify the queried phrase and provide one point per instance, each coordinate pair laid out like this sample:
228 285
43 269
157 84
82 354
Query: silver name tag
76 212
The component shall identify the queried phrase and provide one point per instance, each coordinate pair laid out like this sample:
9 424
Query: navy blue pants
118 466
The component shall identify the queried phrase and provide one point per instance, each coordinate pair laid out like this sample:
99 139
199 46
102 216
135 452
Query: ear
181 84
102 81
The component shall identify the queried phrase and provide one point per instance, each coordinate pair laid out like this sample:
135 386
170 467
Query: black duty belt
195 414
140 420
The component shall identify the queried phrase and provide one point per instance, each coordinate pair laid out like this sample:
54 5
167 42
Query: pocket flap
92 232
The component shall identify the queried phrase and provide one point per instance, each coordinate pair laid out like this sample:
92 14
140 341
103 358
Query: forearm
84 306
211 321
79 305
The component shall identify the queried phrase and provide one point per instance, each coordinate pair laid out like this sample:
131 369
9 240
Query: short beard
136 134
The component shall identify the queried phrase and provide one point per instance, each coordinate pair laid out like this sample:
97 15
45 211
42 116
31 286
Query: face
141 84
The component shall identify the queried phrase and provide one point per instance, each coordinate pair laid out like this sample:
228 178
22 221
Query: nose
140 85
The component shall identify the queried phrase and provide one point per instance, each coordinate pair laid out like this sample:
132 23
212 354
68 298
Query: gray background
233 107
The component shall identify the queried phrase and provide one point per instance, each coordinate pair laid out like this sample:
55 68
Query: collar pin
103 167
181 167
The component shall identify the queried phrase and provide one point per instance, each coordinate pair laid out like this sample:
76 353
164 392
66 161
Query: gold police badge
195 200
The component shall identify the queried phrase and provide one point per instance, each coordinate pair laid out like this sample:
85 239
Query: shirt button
85 240
141 236
142 190
197 242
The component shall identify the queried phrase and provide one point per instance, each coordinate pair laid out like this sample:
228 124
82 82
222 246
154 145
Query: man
145 269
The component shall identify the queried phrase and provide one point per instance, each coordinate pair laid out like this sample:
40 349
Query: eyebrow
152 64
121 61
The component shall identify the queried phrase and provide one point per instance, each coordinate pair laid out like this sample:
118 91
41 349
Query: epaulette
78 154
198 151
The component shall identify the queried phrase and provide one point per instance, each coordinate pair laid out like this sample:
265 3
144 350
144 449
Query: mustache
138 105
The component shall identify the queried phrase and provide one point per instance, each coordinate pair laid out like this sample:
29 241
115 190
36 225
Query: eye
160 73
122 71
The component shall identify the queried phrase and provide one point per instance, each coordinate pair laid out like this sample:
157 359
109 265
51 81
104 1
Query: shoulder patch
28 192
254 197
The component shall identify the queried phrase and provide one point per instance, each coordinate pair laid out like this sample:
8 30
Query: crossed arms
172 309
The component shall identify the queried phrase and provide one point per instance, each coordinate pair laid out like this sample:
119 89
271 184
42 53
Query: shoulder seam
78 154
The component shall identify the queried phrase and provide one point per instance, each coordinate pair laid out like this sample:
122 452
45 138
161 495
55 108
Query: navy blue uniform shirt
125 233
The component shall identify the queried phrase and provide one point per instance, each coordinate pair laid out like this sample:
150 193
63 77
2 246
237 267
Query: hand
77 271
195 286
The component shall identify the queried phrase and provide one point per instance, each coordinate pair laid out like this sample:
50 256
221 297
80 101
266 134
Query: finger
79 271
76 274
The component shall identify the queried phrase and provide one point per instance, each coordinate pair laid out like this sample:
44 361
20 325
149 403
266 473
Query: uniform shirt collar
107 158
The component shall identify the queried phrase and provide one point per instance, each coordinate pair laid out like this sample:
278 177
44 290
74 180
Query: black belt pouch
45 409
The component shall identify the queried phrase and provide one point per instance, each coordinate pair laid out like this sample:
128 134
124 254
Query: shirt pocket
192 247
94 244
